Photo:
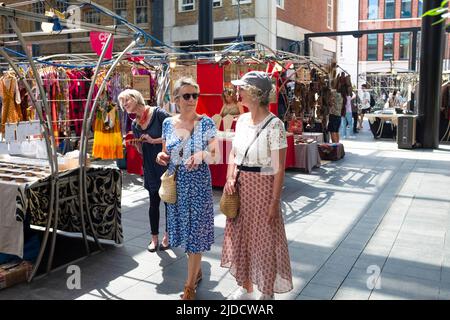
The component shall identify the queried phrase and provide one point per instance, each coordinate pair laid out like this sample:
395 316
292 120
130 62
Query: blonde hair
264 98
133 94
180 83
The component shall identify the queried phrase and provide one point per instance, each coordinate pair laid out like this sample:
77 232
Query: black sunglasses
187 96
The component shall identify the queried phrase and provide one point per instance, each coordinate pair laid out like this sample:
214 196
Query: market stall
65 97
25 189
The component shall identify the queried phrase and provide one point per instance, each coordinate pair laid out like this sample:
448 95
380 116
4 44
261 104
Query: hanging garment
11 101
107 135
78 91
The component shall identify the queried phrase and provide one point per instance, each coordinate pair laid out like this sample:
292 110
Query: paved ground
374 225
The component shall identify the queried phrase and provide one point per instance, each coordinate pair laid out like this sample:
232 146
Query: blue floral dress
190 221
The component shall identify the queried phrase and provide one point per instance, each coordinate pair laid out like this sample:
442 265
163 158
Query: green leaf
437 22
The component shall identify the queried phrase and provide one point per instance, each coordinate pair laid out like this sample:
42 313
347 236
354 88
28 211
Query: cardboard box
14 273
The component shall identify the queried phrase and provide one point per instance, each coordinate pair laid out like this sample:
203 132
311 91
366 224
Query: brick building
390 51
278 24
136 11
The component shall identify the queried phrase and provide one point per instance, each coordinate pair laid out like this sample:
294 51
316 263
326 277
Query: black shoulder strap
256 137
248 148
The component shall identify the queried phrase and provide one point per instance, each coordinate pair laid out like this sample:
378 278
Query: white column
170 10
265 14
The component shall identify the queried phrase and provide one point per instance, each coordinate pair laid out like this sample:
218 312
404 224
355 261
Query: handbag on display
168 189
230 203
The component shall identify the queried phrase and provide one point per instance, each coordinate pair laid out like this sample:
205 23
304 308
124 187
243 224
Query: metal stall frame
53 214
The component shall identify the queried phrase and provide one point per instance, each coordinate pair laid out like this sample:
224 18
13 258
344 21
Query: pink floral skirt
253 249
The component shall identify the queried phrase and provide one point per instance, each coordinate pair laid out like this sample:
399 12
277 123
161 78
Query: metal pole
239 36
158 19
87 121
306 46
432 46
51 146
205 22
47 140
83 134
413 60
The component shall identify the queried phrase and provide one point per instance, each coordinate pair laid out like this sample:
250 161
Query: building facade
391 51
139 12
278 24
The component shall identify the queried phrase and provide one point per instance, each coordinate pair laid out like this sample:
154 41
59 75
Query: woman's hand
230 187
162 159
274 211
193 161
145 138
135 143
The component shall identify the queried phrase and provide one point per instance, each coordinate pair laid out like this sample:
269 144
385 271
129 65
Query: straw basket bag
229 204
168 190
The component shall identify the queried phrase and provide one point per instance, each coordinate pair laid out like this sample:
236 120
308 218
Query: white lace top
273 137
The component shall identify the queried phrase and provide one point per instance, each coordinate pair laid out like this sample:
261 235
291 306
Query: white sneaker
267 297
241 294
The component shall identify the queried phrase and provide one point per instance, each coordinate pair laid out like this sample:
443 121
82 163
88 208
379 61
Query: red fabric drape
210 80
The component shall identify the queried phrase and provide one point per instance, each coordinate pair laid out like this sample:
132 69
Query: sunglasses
187 96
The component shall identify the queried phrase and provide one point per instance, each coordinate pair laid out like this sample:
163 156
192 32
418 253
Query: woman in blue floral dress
191 219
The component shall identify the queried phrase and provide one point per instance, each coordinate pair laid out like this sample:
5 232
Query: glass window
389 9
120 8
61 6
388 46
186 5
217 3
404 45
406 9
234 2
373 10
420 9
141 11
372 47
38 7
92 16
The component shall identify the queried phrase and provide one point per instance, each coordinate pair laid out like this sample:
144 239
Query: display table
306 156
316 136
32 197
383 125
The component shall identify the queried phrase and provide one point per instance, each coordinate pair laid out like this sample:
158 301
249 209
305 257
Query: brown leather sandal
189 293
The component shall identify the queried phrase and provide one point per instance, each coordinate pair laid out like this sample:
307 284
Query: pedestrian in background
147 129
365 105
188 146
255 246
334 119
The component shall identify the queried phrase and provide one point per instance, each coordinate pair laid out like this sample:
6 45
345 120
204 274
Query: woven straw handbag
229 204
168 190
